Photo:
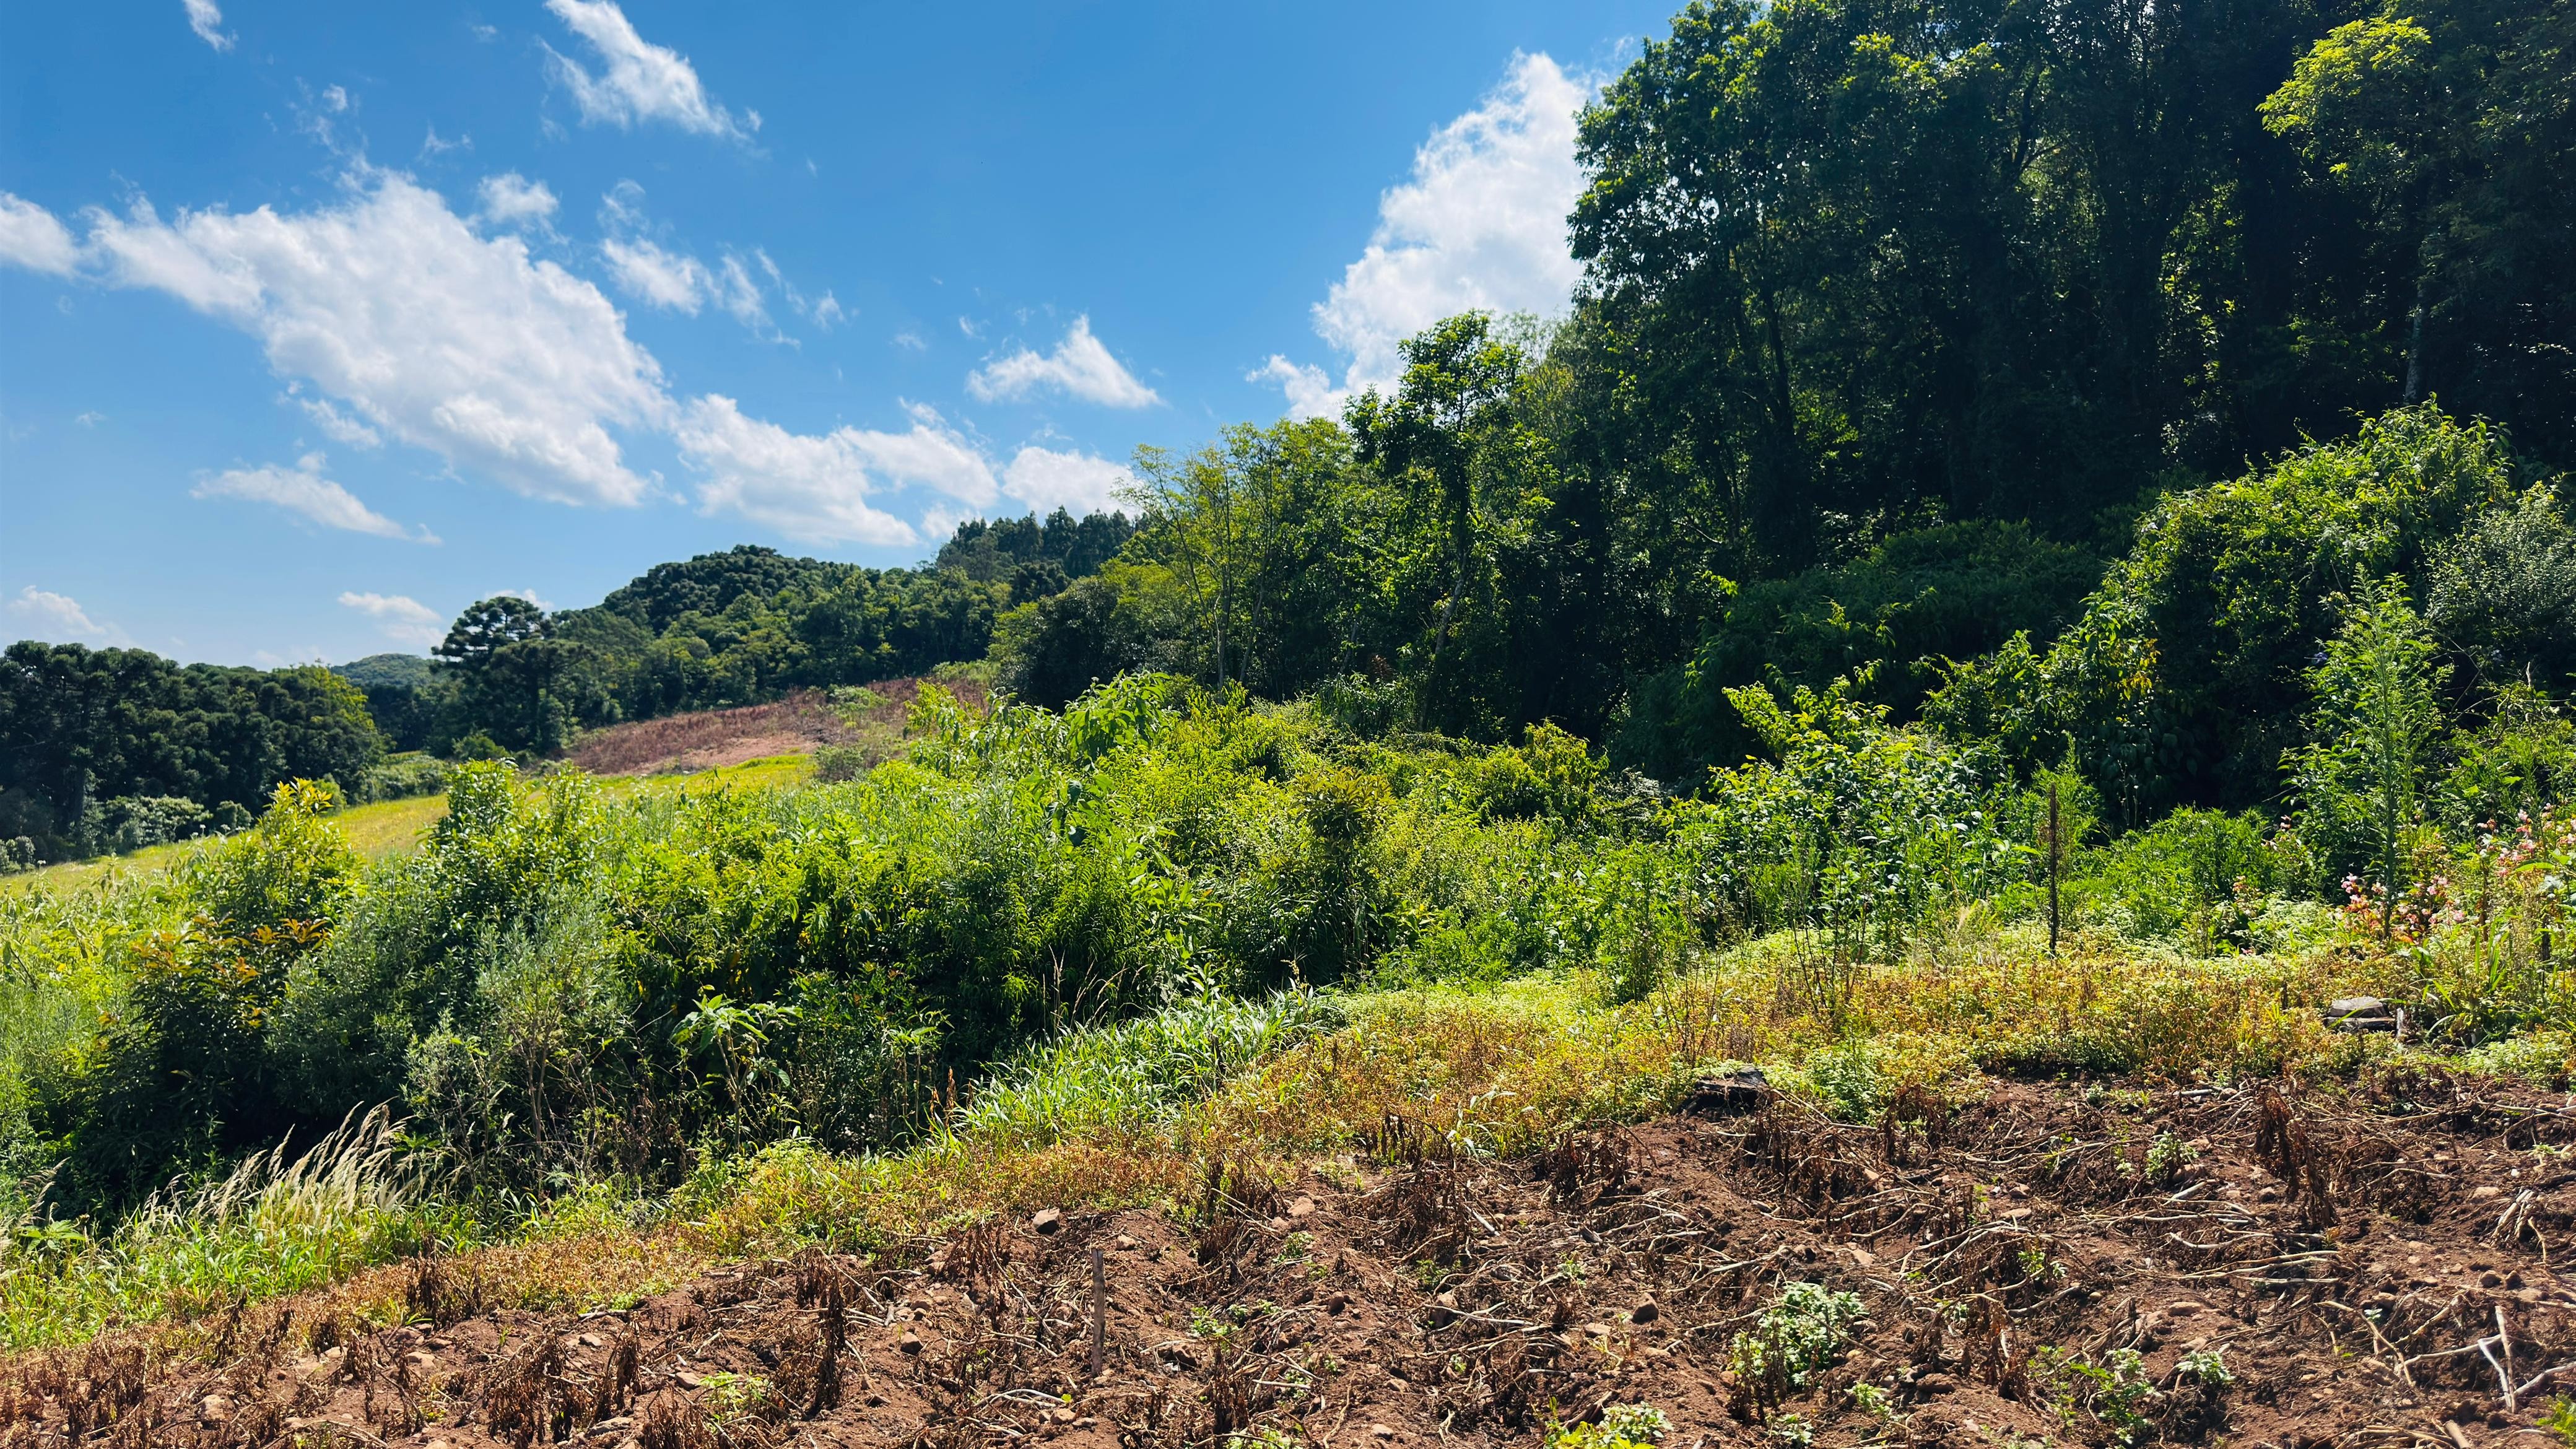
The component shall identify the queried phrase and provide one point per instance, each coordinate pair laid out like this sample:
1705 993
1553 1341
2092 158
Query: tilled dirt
2078 1265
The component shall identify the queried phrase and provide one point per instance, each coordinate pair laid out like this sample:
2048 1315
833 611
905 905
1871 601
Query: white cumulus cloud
505 366
1480 225
31 237
813 488
303 490
511 199
401 618
1046 480
639 81
1080 367
61 619
208 21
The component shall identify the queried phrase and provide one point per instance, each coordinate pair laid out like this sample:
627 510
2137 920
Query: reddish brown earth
710 739
2343 1260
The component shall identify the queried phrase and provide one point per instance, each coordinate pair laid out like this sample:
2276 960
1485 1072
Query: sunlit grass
390 827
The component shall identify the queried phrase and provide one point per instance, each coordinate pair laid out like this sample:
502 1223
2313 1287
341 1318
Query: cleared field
387 827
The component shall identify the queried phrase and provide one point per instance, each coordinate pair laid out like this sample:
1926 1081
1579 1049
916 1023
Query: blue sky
320 321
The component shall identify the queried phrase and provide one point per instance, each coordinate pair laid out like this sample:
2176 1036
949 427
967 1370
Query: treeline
1903 323
2008 364
113 748
116 748
729 628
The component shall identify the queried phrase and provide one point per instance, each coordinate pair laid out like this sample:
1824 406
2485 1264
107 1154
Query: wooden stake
1099 1312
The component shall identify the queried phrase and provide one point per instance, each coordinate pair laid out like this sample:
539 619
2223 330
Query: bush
2185 679
403 776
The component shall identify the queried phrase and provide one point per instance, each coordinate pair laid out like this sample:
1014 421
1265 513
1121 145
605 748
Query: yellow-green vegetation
1057 959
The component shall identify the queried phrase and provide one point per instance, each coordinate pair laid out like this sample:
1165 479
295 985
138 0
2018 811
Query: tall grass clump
274 1224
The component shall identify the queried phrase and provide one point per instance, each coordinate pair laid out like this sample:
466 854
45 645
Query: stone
909 1343
1645 1312
1047 1220
1729 1094
1126 1244
2359 1013
1380 1431
1303 1207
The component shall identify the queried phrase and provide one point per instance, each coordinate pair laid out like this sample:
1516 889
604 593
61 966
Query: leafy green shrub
1954 591
836 763
2185 679
2198 878
1621 1426
403 776
1800 1335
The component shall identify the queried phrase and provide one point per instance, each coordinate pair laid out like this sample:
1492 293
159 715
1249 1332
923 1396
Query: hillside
1944 815
868 723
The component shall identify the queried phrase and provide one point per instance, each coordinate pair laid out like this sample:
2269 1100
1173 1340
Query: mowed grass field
395 827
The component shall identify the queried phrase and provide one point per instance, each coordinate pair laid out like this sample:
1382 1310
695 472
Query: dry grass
1438 1074
1511 1071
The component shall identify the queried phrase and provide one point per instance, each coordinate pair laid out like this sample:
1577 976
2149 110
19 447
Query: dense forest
2015 479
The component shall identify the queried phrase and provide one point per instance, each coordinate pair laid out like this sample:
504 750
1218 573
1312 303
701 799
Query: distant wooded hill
110 748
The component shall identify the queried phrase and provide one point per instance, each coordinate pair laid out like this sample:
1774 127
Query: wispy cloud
31 237
1047 480
511 199
399 617
390 303
208 21
59 619
302 490
638 81
1079 367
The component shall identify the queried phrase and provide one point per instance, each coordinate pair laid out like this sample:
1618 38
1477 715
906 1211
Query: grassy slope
1129 1119
395 827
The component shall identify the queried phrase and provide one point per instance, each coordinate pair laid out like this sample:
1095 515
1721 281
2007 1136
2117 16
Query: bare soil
711 739
2371 1268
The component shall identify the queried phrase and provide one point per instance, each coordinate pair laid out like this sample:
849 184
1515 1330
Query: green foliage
2196 878
2503 594
2375 721
177 1078
2518 763
2559 1418
2188 675
1799 1336
1915 599
1621 1426
87 734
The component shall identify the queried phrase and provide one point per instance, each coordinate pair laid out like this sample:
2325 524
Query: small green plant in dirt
1800 1335
1266 1436
2560 1419
2167 1159
731 1397
2116 1392
2204 1366
1622 1426
1876 1402
1794 1431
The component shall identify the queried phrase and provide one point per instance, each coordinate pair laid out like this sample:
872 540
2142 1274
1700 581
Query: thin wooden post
1099 1312
2056 857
